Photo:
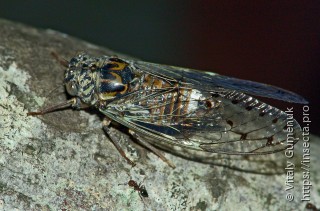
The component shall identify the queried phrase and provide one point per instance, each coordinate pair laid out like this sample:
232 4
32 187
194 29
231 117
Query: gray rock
64 161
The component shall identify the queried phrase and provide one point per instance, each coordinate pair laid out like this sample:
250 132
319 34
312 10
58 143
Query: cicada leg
61 60
106 123
152 148
74 102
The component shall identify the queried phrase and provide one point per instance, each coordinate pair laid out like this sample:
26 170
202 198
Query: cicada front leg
74 103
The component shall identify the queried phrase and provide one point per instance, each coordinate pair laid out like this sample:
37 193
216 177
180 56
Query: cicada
167 106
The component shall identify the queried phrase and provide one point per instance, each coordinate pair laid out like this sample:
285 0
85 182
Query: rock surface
64 161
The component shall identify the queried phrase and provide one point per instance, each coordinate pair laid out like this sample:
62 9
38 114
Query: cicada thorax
114 78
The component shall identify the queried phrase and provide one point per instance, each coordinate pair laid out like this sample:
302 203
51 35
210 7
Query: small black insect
141 189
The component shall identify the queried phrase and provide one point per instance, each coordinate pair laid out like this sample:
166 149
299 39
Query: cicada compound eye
72 88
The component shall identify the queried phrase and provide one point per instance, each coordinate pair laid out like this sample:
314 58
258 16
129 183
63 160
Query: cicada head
97 79
80 78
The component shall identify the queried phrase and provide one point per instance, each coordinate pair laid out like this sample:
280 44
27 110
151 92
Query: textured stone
64 161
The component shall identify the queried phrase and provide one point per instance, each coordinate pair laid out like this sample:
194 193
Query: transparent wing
236 124
210 81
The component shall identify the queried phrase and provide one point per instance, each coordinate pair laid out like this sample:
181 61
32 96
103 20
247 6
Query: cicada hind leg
106 128
152 148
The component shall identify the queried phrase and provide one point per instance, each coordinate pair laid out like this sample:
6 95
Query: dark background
274 42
